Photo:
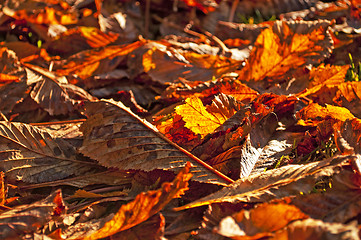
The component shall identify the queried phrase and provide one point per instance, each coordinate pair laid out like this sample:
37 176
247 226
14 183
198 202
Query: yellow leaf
197 118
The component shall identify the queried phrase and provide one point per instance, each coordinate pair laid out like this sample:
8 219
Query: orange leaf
144 206
2 190
286 46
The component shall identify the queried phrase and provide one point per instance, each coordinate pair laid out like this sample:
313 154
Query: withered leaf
290 180
116 137
145 205
285 46
56 96
17 222
32 155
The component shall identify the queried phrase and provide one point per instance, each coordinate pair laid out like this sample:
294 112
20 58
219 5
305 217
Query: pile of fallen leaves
239 120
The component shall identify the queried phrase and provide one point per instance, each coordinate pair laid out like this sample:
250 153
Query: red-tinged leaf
24 219
32 155
116 137
79 39
291 180
144 206
285 46
45 12
174 129
207 90
260 221
204 6
88 63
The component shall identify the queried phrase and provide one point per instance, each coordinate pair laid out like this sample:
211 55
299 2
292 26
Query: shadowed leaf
144 206
17 222
289 180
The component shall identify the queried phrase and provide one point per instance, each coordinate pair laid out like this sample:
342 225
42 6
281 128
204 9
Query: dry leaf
32 155
116 137
144 206
290 180
17 222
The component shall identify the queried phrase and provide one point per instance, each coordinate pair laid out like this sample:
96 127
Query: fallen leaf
144 206
285 46
32 155
17 222
116 137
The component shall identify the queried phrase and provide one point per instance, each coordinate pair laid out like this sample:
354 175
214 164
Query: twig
147 18
233 10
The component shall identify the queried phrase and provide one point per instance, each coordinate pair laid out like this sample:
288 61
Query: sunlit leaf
198 119
91 62
144 206
45 12
79 39
285 46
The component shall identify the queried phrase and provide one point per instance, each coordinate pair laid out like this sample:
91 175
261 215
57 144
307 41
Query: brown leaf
290 180
166 64
316 229
144 206
32 155
338 202
17 222
116 137
55 95
285 46
79 39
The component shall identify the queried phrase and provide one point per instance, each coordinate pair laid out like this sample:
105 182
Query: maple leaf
144 205
197 118
116 137
285 46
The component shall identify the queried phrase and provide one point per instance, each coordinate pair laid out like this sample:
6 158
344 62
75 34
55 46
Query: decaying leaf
116 137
